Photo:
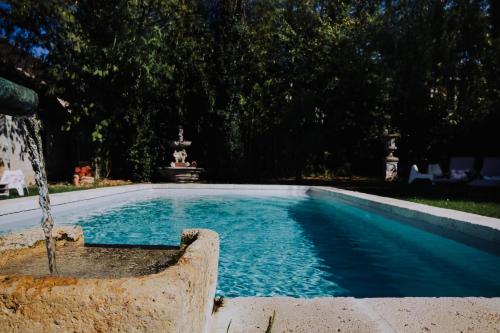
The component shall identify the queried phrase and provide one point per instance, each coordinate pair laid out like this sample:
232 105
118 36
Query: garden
249 166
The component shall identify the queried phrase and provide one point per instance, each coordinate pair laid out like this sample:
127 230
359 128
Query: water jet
19 101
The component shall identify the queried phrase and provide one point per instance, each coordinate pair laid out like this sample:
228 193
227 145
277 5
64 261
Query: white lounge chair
435 170
13 179
460 167
490 173
415 174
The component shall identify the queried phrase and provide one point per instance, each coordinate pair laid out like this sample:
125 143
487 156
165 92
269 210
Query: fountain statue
180 171
19 101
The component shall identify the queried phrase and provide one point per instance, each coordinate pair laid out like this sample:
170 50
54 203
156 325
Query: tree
268 89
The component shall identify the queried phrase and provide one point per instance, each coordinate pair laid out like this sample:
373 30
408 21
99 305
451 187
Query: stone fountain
180 171
96 288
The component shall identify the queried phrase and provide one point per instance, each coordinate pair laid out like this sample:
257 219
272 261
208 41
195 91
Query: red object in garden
83 174
84 171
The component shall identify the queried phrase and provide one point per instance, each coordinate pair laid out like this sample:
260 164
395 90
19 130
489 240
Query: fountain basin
180 174
179 144
176 299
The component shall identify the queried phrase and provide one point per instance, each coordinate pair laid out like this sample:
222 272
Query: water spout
16 100
31 127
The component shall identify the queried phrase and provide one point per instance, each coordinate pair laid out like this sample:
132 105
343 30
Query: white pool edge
483 227
25 204
479 226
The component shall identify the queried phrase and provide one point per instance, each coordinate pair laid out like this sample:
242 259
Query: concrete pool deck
330 314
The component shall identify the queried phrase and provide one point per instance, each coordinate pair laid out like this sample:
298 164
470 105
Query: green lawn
482 208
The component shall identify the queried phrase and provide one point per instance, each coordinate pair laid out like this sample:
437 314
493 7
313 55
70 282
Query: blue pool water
305 246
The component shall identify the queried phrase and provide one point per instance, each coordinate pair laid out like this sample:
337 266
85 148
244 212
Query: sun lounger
13 179
415 174
490 173
460 168
435 170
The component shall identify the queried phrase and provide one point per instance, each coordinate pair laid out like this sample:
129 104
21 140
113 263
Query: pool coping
362 315
24 204
483 227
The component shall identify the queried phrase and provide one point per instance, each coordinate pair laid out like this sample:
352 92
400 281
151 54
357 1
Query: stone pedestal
391 161
180 174
391 168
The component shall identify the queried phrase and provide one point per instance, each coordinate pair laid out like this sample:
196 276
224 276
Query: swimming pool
303 245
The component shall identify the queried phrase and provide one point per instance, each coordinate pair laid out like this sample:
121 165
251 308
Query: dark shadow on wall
12 141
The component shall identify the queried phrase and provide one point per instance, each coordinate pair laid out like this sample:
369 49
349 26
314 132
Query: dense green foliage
268 88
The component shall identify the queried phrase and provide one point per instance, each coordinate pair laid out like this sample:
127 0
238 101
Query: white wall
13 152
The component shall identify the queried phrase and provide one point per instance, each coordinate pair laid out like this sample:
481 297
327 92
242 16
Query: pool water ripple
304 246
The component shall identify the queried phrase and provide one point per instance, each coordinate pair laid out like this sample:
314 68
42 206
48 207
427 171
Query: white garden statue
180 157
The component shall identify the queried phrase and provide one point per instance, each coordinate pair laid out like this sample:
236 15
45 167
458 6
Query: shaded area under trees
267 89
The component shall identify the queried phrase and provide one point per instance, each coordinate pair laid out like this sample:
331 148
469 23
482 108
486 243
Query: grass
271 322
482 208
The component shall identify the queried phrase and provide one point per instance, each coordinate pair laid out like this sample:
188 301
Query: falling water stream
22 102
31 127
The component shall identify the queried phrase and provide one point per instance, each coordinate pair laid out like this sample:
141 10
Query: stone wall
178 299
13 154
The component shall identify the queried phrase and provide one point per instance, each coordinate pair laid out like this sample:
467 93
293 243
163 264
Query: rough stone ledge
178 299
31 237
